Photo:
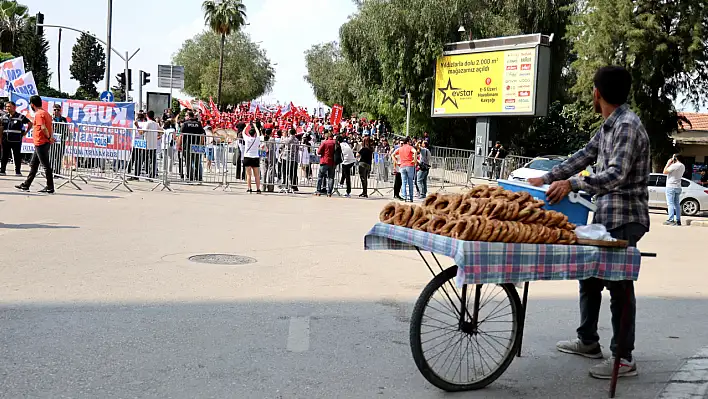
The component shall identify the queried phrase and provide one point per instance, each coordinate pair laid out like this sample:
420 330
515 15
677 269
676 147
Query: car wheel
690 207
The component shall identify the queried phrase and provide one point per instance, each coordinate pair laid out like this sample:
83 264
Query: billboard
493 82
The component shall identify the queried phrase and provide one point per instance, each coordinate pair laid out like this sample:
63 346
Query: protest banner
336 117
101 129
10 71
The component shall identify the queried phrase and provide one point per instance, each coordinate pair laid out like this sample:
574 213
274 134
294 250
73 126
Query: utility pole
408 116
59 61
109 26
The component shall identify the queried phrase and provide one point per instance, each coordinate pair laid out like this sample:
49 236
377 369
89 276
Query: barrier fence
122 157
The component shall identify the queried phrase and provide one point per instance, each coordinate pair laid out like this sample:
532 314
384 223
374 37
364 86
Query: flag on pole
185 104
214 108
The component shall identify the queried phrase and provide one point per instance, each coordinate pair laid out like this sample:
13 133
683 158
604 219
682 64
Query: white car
693 198
538 167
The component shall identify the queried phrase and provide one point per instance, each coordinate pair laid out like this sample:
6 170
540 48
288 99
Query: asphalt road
98 299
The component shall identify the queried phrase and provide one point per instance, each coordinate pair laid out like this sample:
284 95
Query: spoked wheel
465 338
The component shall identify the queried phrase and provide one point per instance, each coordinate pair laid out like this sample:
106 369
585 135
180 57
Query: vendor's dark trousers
41 155
591 299
347 177
288 173
397 186
16 148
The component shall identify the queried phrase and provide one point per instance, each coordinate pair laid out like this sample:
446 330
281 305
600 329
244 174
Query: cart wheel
457 353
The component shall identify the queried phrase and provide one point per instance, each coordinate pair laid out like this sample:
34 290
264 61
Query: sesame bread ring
417 213
403 215
430 200
388 213
421 223
436 224
453 204
463 210
458 231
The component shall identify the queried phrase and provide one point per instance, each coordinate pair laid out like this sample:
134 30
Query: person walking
15 126
406 156
43 139
348 161
251 158
325 177
621 150
423 170
674 171
366 154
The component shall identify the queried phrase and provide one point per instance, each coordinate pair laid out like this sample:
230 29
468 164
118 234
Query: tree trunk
221 70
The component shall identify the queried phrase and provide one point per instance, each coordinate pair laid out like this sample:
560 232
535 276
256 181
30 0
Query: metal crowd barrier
123 156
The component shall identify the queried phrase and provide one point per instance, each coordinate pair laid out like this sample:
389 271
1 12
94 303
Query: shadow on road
63 193
356 349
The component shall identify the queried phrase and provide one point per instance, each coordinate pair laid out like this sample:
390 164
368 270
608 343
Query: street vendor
621 150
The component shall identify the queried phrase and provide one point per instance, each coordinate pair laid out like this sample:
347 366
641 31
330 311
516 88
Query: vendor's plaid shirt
621 149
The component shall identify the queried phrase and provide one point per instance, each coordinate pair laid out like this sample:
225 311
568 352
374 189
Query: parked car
693 199
539 166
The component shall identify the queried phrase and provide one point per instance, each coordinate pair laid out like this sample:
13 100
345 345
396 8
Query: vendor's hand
558 191
536 181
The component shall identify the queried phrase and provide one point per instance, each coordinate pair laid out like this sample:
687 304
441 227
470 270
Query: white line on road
299 334
691 380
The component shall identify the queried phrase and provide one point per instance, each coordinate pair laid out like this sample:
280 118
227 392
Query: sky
284 28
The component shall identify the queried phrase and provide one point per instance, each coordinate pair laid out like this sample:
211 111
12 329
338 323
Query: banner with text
486 83
101 129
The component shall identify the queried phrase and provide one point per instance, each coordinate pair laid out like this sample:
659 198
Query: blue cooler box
576 206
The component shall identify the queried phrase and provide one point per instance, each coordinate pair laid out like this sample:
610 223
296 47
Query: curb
691 380
698 223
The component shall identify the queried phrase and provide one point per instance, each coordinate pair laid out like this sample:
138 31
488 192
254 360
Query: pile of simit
484 214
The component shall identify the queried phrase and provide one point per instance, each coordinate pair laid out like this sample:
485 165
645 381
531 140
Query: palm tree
223 17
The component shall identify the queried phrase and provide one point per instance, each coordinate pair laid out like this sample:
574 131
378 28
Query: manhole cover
222 259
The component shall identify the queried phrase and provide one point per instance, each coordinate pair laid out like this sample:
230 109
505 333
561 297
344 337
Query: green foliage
332 77
224 17
174 106
88 66
34 50
661 43
391 46
248 73
14 18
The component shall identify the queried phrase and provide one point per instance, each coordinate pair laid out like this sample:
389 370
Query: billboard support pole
485 133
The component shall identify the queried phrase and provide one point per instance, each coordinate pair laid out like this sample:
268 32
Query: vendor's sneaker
577 347
604 370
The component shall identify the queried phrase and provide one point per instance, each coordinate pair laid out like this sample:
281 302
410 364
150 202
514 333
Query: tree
393 45
13 20
34 49
88 65
223 18
247 72
661 43
331 76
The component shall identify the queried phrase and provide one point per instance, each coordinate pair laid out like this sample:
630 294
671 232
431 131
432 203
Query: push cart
468 323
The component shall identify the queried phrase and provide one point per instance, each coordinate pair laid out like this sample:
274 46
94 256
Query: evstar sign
101 130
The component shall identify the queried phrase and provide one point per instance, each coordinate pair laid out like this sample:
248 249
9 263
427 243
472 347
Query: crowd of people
282 148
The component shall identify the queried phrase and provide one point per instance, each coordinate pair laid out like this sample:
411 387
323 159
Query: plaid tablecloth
494 263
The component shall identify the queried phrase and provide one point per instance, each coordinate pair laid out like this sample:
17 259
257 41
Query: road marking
691 380
299 334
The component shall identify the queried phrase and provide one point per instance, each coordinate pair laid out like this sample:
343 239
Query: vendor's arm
619 164
576 163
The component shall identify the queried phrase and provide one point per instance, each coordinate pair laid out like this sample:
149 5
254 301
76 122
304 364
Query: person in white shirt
168 143
152 132
674 171
348 160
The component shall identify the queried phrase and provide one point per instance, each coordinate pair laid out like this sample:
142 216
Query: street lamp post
109 26
125 57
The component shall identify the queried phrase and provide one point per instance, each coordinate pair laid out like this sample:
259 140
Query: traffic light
144 78
130 80
404 99
121 79
38 22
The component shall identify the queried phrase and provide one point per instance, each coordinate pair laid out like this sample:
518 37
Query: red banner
336 117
